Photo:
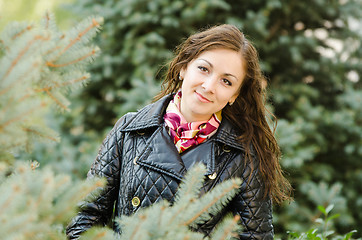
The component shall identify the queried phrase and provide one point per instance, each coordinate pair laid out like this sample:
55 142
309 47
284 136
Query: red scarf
184 134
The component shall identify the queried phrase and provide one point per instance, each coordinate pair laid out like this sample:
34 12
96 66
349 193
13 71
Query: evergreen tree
39 65
38 203
311 53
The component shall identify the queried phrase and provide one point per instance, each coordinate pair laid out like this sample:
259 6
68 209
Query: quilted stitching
152 187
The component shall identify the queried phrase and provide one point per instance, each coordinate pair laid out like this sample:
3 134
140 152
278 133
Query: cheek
186 87
190 82
225 97
235 96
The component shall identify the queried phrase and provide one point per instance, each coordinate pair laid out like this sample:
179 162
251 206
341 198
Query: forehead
219 53
223 60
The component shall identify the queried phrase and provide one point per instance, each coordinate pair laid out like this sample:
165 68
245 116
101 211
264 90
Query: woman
211 110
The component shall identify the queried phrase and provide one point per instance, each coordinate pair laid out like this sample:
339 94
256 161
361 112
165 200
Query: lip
202 98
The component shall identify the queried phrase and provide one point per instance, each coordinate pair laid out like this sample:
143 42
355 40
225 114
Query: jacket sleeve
254 209
106 165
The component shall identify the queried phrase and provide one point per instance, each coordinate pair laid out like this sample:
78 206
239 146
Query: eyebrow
226 74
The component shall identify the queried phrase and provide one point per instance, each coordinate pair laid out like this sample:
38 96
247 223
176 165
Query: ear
232 99
182 74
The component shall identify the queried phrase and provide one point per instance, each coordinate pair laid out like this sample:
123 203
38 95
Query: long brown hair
248 112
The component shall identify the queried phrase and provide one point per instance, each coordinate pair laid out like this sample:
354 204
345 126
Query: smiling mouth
202 98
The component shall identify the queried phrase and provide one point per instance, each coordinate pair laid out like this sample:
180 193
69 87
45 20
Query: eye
227 82
202 68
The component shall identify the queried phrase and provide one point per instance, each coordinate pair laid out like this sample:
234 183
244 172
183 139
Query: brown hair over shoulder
248 112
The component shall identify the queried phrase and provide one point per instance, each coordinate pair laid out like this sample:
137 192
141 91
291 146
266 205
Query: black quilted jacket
142 166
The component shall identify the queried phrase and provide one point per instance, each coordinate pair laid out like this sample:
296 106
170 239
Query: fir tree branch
230 227
54 87
56 100
21 116
55 48
181 210
162 209
215 200
5 206
58 215
18 226
22 53
39 134
82 78
47 20
92 53
189 190
6 107
80 35
99 235
31 235
11 145
5 90
28 28
142 218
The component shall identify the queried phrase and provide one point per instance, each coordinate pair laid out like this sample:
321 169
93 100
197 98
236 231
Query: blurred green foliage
25 10
324 230
309 50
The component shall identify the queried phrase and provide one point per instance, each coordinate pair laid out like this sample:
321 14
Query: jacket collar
149 116
152 116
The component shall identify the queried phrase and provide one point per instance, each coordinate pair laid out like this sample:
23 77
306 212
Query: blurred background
309 50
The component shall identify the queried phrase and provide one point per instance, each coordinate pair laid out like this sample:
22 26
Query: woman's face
210 81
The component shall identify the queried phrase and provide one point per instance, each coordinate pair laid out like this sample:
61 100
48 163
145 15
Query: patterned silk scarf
184 134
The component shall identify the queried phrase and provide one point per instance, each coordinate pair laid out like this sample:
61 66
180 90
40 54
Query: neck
189 117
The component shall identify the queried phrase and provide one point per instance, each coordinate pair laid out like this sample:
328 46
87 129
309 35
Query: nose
209 84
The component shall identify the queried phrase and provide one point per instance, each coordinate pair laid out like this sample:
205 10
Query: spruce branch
62 208
39 133
41 201
5 202
23 52
227 228
37 203
212 203
57 85
141 218
14 83
14 32
57 100
29 78
47 17
95 24
21 116
98 233
28 28
208 206
189 189
162 221
90 54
